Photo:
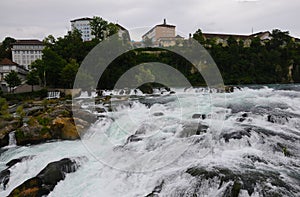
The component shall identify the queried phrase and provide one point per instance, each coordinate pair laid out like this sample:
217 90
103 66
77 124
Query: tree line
276 60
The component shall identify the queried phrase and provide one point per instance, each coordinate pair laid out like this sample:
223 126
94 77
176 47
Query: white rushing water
166 145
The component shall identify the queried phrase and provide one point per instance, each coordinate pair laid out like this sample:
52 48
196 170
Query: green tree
52 64
32 78
5 48
39 67
99 27
198 35
68 73
12 79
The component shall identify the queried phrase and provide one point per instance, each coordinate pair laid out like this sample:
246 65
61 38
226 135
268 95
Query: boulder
192 129
46 180
199 116
64 128
32 134
4 178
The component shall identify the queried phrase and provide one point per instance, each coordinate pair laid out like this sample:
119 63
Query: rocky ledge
41 123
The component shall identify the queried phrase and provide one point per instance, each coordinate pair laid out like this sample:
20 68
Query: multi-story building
162 35
160 31
6 66
83 25
24 52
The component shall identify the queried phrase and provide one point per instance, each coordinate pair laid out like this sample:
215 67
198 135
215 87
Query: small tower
165 21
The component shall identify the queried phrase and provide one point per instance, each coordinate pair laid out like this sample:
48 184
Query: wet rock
146 89
4 178
255 158
199 116
100 110
156 190
193 129
158 114
18 160
32 135
5 174
229 89
159 100
236 135
133 138
245 180
46 180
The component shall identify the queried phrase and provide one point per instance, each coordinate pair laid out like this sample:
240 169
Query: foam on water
117 166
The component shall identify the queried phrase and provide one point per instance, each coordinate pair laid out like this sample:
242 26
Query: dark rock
229 89
172 92
5 174
146 89
18 160
4 178
156 190
100 110
246 180
193 129
236 135
254 158
199 116
133 138
46 180
241 119
159 100
158 114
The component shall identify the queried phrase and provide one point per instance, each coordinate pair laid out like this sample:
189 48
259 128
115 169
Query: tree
101 29
12 79
5 48
98 27
198 35
32 78
68 73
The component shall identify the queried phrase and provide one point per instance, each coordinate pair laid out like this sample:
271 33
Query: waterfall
12 139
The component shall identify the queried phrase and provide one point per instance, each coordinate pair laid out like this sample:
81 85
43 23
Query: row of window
27 47
27 55
28 52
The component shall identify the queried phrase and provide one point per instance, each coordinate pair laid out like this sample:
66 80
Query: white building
6 66
83 25
24 52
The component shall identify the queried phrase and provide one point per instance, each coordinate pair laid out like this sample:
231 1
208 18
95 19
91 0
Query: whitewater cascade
174 145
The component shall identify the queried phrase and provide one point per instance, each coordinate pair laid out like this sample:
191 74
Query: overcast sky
23 19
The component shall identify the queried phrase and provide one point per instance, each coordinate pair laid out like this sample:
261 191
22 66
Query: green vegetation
4 113
13 80
268 61
253 61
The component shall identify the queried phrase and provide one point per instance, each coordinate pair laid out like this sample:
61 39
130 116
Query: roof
28 42
224 36
82 19
160 25
7 61
121 27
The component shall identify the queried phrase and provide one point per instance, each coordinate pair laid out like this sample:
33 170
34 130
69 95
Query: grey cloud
41 18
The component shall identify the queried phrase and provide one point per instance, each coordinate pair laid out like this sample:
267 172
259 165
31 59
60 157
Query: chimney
165 21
